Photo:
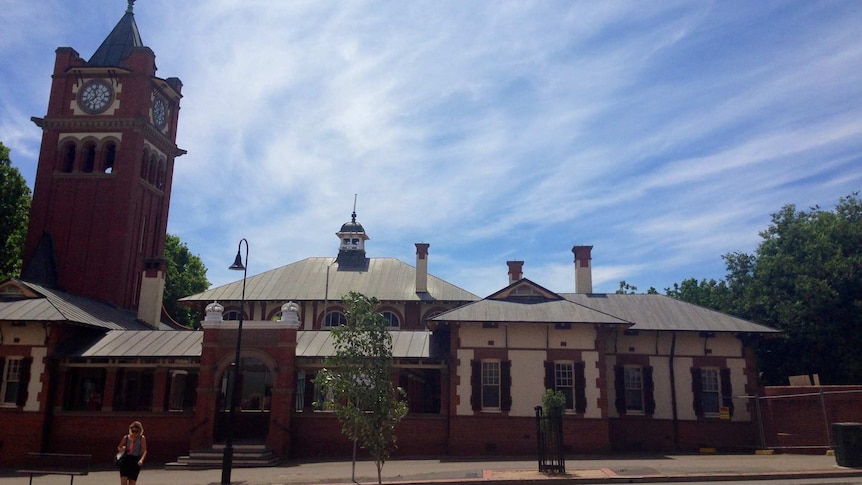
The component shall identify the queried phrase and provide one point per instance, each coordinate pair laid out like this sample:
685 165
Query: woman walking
133 447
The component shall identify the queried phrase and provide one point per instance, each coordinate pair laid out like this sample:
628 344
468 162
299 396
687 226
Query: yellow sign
724 412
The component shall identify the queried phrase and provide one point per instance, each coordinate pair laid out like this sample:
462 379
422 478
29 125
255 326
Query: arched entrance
253 404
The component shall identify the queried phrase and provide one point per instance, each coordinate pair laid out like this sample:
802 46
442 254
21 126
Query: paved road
580 470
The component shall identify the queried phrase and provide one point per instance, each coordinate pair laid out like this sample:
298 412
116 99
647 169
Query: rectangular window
182 391
134 390
633 380
490 385
84 389
564 381
11 380
711 395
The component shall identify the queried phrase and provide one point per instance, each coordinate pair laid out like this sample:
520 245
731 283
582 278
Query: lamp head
237 264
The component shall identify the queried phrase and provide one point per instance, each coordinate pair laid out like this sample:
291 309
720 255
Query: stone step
244 456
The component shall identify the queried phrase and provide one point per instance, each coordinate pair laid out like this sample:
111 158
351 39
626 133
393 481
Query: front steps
244 456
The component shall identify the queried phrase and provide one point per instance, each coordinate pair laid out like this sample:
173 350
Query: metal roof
660 312
145 343
405 344
387 279
56 306
553 311
119 43
187 344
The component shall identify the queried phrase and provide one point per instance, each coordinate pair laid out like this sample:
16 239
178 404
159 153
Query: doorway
253 404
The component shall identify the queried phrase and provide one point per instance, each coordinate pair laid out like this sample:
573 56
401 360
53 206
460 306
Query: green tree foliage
805 278
14 215
627 289
186 275
359 377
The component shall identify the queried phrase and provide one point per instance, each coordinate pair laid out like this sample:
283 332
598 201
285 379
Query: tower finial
353 215
131 6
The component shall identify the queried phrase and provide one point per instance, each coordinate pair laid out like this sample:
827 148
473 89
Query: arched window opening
334 318
144 165
110 155
160 176
89 157
151 177
392 319
68 164
231 315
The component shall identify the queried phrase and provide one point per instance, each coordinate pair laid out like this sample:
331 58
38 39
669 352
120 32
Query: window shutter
620 387
476 385
697 390
24 381
726 390
649 391
506 385
580 388
549 375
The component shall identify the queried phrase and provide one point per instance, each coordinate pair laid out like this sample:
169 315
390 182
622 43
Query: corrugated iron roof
57 306
180 344
405 344
387 279
660 312
144 344
554 311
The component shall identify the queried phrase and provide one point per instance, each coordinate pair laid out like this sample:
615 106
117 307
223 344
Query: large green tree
805 278
186 275
359 376
14 215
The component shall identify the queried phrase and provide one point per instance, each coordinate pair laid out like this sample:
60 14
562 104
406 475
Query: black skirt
129 467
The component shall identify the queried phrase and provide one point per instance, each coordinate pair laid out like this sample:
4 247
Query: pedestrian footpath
579 470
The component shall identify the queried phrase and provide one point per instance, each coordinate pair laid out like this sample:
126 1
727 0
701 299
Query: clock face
95 96
160 112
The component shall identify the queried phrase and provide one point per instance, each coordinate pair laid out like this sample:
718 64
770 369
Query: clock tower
103 184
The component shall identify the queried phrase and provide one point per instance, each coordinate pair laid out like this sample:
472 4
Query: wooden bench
56 464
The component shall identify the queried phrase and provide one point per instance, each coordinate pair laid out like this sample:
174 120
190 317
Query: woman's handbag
118 458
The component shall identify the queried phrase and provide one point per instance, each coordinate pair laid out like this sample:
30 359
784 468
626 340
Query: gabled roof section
660 312
119 43
525 291
21 301
552 311
318 279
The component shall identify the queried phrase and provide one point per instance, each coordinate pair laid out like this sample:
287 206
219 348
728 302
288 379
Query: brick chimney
516 270
422 267
583 269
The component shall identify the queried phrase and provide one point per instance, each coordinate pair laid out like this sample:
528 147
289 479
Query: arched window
160 176
230 315
89 157
68 163
334 318
109 157
392 319
144 165
151 176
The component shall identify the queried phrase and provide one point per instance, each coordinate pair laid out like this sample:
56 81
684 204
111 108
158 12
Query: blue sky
662 133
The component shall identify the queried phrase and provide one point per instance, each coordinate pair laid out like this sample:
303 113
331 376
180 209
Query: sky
662 133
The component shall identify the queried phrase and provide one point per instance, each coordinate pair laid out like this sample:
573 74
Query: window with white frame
11 380
392 320
634 388
334 318
490 384
711 390
564 381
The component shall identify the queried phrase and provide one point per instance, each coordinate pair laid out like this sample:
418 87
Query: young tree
359 376
14 215
186 275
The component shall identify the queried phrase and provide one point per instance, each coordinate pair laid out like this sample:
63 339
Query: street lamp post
227 459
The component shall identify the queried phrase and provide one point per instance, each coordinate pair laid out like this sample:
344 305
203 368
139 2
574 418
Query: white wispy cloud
664 134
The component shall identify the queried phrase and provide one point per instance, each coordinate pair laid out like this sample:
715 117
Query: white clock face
95 96
160 112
